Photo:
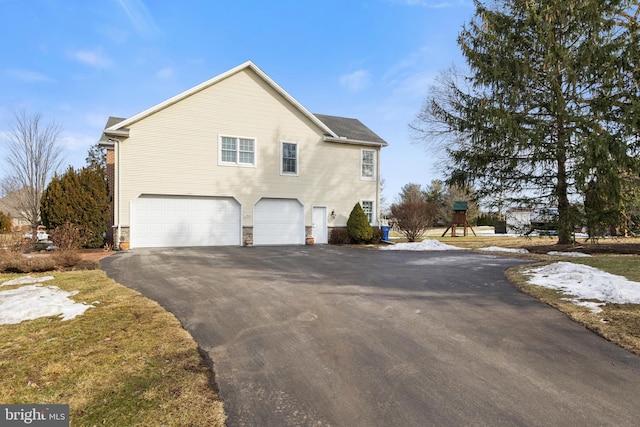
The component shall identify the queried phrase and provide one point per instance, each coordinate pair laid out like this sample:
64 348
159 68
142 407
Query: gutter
344 140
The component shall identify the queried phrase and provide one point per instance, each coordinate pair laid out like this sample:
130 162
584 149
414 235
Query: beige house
236 160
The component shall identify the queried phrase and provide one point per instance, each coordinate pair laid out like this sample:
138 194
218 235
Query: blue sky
78 62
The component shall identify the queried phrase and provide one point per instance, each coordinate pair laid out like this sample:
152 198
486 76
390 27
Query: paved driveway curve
331 336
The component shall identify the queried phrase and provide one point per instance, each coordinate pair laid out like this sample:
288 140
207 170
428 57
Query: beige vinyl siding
175 152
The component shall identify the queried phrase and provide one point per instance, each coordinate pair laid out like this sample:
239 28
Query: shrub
15 262
66 259
69 236
339 236
414 215
376 236
358 225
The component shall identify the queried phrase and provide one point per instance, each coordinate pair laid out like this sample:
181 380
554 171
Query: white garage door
278 222
174 221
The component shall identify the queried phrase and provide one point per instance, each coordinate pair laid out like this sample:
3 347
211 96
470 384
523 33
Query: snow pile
27 280
34 301
584 282
499 249
568 254
425 245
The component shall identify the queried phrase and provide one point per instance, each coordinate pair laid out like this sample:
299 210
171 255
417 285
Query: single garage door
278 222
174 221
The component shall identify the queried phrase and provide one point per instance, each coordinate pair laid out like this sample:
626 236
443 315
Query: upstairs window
289 163
237 151
368 164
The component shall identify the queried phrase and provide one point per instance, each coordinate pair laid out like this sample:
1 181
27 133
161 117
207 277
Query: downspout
116 201
117 177
378 180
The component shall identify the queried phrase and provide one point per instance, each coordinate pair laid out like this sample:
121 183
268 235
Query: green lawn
125 362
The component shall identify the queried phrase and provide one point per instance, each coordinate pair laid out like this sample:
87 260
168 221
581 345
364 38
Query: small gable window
289 163
368 164
237 151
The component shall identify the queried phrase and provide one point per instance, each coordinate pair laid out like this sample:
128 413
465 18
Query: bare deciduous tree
34 155
413 214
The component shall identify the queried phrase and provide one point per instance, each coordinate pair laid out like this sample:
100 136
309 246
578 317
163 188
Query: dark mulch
589 248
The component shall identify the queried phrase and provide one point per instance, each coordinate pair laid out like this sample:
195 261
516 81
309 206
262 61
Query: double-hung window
367 207
368 164
237 151
289 159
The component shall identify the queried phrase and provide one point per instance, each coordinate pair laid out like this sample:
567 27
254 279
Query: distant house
518 220
236 160
527 220
8 207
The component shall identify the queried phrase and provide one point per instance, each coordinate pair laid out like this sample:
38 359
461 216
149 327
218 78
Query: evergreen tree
5 223
81 198
550 104
358 225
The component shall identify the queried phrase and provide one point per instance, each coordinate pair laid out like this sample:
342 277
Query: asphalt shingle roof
110 122
350 128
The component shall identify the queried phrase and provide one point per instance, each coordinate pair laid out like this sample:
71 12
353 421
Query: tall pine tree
550 104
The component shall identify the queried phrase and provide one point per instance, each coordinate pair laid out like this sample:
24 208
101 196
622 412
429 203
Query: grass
125 362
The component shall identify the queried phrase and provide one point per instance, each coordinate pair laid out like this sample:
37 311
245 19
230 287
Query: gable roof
336 129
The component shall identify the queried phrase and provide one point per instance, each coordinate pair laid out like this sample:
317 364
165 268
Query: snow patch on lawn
584 282
34 301
568 254
499 249
425 245
27 280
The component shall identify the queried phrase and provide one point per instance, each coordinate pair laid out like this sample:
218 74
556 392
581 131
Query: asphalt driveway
331 336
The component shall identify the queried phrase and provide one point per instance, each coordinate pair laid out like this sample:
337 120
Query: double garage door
177 221
174 221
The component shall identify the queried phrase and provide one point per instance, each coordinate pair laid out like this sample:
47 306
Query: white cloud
165 73
28 76
140 17
356 81
93 58
76 141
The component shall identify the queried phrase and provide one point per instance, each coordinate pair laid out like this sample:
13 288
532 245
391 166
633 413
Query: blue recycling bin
385 232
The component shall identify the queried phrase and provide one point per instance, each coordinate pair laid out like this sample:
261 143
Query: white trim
373 169
342 140
247 65
237 163
297 172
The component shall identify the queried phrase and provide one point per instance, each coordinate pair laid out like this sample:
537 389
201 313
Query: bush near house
340 236
358 225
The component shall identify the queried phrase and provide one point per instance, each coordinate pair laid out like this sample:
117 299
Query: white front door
319 230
